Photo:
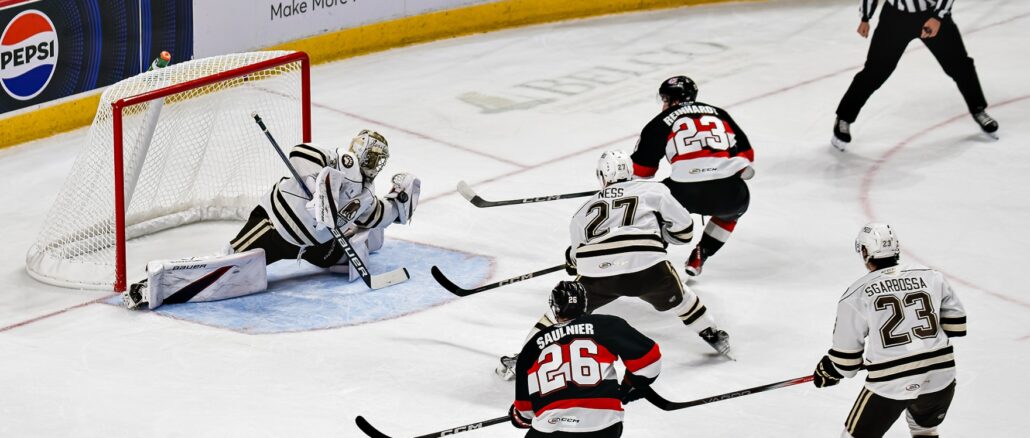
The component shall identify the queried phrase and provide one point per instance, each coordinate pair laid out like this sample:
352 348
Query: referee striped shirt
940 8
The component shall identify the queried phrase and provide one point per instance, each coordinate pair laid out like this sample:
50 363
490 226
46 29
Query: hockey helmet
878 240
614 166
371 150
678 89
569 300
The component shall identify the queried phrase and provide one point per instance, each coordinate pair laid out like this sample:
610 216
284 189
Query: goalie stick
375 433
666 405
462 292
470 195
378 281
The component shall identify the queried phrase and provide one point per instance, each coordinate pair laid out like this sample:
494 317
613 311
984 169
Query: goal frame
119 105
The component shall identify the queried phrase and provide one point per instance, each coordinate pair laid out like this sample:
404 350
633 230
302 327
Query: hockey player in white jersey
618 242
900 317
287 224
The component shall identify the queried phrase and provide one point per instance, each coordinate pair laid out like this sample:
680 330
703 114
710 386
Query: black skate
841 134
987 123
137 296
506 370
718 339
695 262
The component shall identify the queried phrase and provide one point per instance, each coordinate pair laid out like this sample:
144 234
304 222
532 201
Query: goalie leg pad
206 278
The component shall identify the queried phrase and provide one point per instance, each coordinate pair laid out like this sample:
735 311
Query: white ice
69 367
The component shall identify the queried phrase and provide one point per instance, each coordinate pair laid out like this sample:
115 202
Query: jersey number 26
557 369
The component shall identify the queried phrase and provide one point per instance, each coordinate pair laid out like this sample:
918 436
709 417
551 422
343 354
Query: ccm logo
462 429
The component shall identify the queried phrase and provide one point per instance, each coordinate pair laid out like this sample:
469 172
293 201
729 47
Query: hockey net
171 147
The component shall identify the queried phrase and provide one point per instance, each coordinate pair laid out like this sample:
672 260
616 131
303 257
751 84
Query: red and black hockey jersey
701 141
565 375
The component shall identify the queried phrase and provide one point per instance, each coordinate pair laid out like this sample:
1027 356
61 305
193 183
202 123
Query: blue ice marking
301 297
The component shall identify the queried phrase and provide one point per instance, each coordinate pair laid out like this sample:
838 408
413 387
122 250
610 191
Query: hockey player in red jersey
566 384
710 157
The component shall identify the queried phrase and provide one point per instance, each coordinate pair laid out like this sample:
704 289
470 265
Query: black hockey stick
375 433
462 292
467 192
372 281
667 405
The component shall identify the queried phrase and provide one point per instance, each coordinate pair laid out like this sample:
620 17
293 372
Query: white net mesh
192 156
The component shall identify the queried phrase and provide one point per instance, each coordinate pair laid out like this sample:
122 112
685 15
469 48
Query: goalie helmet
371 150
614 166
678 89
569 300
878 240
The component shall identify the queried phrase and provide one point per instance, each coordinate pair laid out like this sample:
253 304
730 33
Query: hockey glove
517 419
319 204
826 374
628 392
404 194
570 263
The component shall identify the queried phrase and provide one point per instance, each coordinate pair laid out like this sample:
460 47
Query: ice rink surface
528 111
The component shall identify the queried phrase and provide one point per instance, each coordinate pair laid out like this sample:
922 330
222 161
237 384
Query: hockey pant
259 233
872 415
658 285
724 200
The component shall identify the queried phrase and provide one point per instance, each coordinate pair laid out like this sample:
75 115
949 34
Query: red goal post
181 151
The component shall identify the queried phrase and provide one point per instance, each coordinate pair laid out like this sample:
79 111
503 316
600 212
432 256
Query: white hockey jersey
355 198
625 228
900 318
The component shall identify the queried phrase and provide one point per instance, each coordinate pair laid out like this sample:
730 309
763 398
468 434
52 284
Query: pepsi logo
28 54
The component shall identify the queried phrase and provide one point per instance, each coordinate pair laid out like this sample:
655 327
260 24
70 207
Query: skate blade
838 144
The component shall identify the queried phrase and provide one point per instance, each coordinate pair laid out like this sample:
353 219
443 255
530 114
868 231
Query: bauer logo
28 54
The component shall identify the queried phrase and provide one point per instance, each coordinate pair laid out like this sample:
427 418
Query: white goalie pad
206 278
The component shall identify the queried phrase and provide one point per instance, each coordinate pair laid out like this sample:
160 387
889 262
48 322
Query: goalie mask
878 240
614 166
372 151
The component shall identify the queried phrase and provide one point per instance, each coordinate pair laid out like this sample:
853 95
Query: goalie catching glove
403 196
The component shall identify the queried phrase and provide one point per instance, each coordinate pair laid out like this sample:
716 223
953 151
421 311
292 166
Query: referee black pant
895 30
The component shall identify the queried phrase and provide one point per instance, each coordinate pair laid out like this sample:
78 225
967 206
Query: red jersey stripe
611 404
703 153
522 405
634 365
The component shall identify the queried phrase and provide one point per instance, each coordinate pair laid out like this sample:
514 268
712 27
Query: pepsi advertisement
51 49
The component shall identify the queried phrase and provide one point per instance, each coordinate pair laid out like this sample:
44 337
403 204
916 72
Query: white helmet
614 166
878 240
371 150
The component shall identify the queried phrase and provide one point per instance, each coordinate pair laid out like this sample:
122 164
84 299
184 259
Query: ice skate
987 123
137 296
718 339
506 370
841 135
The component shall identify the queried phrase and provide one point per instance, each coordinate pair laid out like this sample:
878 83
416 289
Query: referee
902 21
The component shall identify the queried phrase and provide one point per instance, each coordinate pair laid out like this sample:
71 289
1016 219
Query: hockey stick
462 292
372 281
375 433
667 405
467 192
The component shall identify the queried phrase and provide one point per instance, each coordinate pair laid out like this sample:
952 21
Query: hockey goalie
288 224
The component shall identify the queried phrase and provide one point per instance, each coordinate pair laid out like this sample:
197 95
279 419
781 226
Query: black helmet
678 89
569 299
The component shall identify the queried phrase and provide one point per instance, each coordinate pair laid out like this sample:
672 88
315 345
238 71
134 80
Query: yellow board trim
352 42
